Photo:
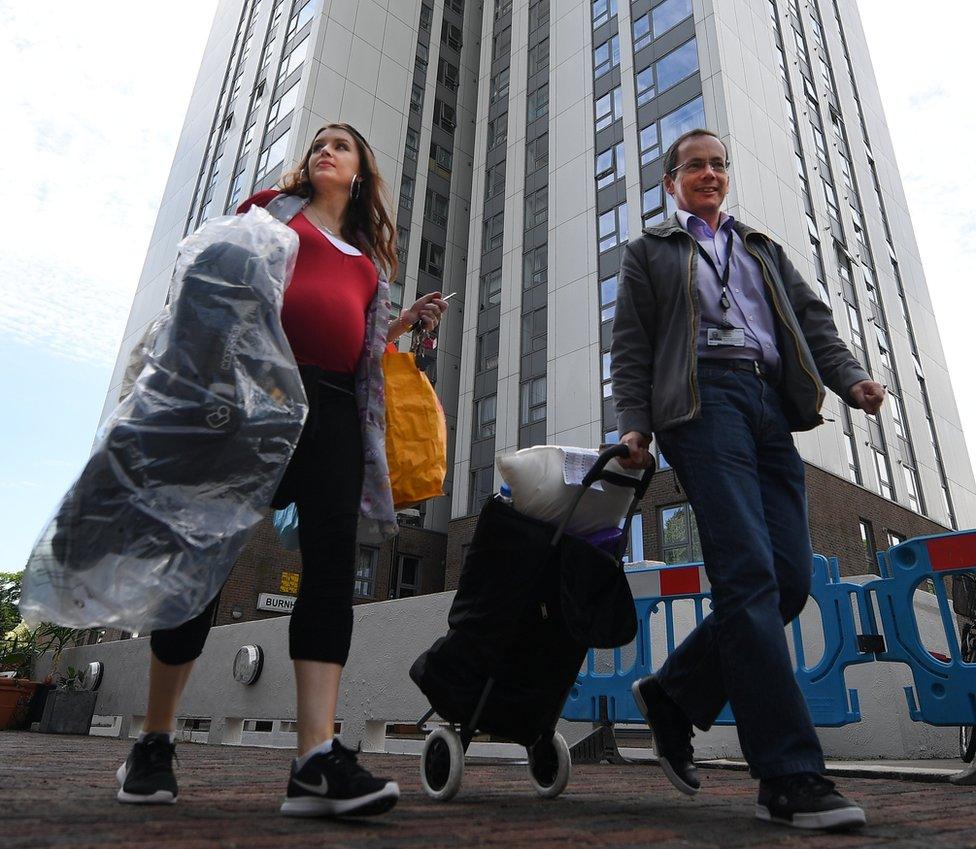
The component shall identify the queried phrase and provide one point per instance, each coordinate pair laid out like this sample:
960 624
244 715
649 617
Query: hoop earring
355 187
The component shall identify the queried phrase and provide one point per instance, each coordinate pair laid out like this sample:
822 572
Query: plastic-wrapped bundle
187 462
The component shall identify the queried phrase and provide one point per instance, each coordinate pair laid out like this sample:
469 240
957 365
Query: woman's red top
324 312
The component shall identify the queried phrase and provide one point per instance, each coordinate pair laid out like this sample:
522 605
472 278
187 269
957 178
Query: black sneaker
146 777
807 800
333 785
672 734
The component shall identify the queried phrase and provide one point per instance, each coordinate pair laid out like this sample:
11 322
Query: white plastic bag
186 464
544 480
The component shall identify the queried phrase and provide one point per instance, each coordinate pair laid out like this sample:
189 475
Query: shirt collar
695 225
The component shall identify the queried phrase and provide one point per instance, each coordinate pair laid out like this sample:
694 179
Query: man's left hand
868 395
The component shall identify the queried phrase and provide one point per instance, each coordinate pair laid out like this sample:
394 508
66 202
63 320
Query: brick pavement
59 791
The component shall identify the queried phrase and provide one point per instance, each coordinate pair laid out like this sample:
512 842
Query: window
406 192
484 417
299 20
608 298
537 105
498 131
612 227
495 181
502 8
635 543
850 447
423 54
609 108
650 144
481 487
605 374
679 535
501 43
537 207
535 267
652 204
534 331
539 57
677 65
441 159
537 154
366 571
435 209
451 36
282 107
533 401
538 15
610 165
645 85
867 541
684 118
831 197
447 74
895 538
445 116
411 148
491 288
911 486
406 578
235 189
884 476
606 56
426 17
492 232
417 98
659 20
432 258
488 353
499 85
603 11
642 32
403 243
272 157
294 59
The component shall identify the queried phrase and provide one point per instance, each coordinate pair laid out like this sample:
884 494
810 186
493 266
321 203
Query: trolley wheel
967 743
442 764
549 766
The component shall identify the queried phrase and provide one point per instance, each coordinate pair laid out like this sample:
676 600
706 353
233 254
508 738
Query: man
720 349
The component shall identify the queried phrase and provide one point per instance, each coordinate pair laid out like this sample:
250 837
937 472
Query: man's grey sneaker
672 734
146 777
807 800
334 785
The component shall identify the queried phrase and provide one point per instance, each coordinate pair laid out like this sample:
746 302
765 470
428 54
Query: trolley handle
597 473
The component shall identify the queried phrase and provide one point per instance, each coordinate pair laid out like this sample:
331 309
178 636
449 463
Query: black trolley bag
531 601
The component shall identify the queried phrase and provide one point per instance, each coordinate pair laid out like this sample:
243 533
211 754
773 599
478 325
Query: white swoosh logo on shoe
321 790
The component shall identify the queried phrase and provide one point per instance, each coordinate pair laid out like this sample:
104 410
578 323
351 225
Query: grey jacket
655 331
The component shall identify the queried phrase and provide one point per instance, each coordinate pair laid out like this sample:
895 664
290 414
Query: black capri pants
325 480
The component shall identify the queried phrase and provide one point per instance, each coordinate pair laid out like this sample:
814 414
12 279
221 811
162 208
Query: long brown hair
367 225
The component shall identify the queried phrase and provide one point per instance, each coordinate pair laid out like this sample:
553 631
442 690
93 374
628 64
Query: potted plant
69 707
17 652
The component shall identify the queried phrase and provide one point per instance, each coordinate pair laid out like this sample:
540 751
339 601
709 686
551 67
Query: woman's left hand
427 310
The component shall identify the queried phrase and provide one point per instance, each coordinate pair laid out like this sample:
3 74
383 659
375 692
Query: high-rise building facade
523 141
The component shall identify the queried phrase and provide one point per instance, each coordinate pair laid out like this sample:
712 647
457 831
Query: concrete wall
376 690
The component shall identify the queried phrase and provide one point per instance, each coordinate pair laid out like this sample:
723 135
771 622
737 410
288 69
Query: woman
338 298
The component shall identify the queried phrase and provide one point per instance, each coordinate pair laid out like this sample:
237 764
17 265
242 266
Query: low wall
376 690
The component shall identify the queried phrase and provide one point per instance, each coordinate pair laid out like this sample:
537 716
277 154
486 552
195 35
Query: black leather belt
752 366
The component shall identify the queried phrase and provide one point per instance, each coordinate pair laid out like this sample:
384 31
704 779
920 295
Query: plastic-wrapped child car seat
187 462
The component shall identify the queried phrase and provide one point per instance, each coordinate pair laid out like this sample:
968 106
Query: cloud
96 108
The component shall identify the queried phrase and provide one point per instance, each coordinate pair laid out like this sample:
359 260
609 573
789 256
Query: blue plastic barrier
831 702
945 687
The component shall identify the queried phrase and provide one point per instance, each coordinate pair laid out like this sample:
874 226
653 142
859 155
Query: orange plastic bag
416 432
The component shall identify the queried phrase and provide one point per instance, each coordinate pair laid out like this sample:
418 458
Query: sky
94 96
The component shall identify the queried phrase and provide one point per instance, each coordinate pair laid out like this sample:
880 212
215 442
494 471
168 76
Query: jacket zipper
693 336
799 353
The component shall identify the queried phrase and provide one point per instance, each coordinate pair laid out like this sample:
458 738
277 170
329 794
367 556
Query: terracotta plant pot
15 696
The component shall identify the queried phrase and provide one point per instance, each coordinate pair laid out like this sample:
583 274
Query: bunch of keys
424 341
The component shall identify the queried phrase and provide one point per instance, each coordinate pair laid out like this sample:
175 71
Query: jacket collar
670 226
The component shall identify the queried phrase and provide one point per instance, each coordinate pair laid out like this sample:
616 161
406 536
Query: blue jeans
745 482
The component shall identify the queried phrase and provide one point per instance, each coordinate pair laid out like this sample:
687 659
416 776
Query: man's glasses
696 166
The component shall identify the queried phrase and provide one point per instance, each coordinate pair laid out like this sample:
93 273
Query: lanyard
723 301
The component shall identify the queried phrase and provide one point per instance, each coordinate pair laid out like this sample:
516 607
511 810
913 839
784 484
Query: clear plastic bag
186 464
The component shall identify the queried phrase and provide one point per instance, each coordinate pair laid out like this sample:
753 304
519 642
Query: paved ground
60 792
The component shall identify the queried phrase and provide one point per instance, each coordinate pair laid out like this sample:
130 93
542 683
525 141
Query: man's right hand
638 444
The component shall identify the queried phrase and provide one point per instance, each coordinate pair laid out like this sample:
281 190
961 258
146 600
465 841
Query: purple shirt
749 308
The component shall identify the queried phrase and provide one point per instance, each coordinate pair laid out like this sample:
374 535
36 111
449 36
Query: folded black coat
525 614
189 460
